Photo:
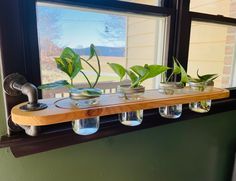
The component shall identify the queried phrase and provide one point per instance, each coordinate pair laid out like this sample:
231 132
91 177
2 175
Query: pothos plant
203 80
70 63
138 74
177 70
207 78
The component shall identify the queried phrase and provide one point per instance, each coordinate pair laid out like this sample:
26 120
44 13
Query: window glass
120 38
212 50
147 2
216 7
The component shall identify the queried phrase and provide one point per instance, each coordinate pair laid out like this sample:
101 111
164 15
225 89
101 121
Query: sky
77 28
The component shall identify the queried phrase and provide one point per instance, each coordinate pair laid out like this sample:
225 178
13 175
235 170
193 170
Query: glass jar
204 105
174 111
85 126
133 118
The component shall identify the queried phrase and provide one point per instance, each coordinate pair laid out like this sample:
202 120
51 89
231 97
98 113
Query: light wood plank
63 110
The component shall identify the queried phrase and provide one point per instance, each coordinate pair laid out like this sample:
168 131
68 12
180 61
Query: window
125 31
127 39
147 2
216 7
212 50
212 40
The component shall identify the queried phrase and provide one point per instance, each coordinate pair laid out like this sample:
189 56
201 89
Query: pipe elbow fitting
31 92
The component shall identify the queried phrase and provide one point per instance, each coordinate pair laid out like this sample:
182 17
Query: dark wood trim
114 5
182 32
19 45
208 18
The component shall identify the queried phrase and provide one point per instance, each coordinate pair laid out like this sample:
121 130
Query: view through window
212 46
147 2
212 50
216 7
126 39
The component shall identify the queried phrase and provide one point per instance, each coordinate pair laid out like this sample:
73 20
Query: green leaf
55 85
87 92
139 70
69 62
118 69
133 77
61 64
77 66
92 92
68 53
207 77
184 75
92 51
176 69
153 71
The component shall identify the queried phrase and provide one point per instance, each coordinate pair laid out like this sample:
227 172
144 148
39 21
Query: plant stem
90 85
89 65
169 77
99 70
71 82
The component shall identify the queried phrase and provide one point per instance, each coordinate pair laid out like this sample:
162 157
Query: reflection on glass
127 39
147 2
216 7
212 50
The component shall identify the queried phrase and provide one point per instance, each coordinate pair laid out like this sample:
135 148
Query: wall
199 149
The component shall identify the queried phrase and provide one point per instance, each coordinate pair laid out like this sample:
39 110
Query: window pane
147 2
120 38
223 7
212 50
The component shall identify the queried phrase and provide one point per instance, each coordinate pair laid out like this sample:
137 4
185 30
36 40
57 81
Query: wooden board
64 110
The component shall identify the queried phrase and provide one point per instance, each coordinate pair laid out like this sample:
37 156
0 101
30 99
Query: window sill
23 145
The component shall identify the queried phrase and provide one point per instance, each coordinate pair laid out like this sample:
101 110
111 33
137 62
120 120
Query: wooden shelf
63 110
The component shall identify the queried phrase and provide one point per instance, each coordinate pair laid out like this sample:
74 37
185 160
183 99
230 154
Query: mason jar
174 111
204 105
85 126
133 118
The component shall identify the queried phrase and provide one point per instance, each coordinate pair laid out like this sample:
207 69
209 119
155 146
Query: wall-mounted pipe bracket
15 85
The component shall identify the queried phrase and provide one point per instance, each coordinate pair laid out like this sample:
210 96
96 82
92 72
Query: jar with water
133 118
173 111
86 126
204 105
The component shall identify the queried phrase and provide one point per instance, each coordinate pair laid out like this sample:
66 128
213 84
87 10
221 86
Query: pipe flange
9 81
37 107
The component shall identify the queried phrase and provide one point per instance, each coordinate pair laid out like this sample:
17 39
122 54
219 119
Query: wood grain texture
64 110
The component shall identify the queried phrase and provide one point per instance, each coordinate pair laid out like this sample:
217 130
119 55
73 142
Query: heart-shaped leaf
55 85
154 70
139 70
118 69
87 92
69 62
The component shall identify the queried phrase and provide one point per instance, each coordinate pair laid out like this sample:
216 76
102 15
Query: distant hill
103 51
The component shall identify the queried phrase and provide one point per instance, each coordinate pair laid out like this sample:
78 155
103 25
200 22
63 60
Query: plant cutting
171 86
137 75
71 64
202 83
